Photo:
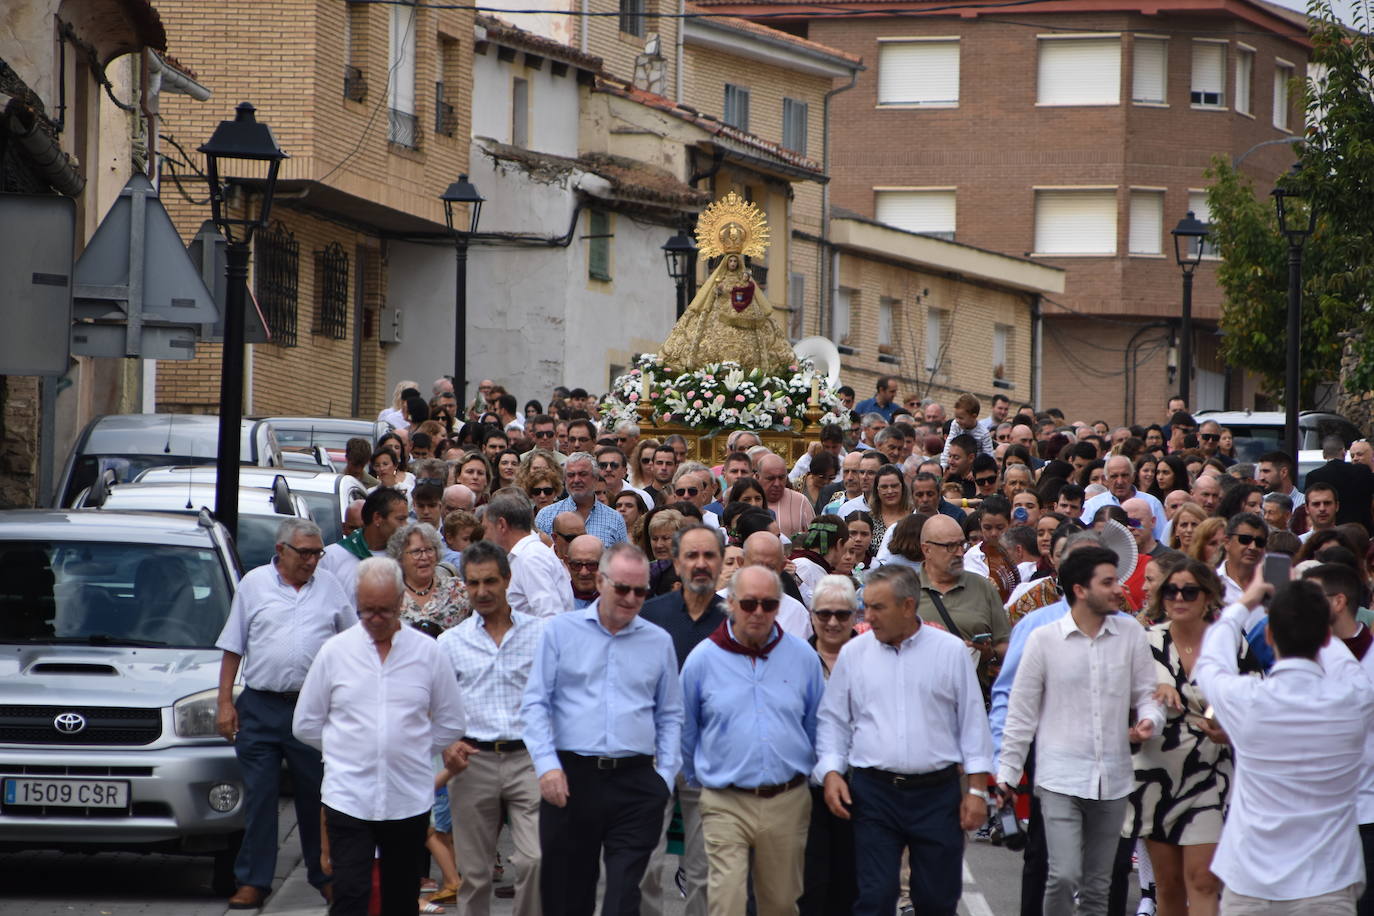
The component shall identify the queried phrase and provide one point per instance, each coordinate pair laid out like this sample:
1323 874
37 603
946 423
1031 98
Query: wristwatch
979 793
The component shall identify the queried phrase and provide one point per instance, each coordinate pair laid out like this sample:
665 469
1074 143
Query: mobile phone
983 637
1278 568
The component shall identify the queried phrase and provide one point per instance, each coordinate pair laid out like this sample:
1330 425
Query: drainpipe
825 298
677 65
1037 348
53 164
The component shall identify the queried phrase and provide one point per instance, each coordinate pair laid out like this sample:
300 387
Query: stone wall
19 435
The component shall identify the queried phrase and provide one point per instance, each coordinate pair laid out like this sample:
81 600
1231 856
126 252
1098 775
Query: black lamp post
1296 226
459 193
1189 236
246 140
679 252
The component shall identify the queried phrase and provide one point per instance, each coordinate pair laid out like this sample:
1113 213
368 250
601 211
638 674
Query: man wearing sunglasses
750 678
613 464
603 722
580 476
1209 442
1246 537
543 432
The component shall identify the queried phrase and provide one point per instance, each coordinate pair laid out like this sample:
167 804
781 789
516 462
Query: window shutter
1147 222
1075 222
928 212
1245 69
1150 59
599 249
1281 77
918 73
1209 73
1079 71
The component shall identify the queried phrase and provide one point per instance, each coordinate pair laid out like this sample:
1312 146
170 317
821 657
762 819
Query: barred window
331 292
278 280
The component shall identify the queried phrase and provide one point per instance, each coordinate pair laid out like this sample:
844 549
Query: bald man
763 548
567 526
1207 493
459 496
792 510
584 556
353 517
964 603
1119 472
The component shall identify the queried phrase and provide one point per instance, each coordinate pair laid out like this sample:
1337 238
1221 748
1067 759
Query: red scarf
586 596
722 637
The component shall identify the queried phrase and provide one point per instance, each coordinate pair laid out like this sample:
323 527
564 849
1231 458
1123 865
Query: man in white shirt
903 713
282 614
379 701
1291 843
1242 553
539 584
1120 474
1074 689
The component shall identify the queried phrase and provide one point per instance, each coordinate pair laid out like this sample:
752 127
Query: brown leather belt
499 747
772 791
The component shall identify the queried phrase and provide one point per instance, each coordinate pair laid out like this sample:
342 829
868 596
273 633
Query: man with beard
964 603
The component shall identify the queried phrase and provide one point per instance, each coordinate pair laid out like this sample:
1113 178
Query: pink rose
786 421
653 395
739 397
691 394
667 418
697 404
634 396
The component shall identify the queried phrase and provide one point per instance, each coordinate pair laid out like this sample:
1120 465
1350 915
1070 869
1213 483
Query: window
277 279
331 292
355 51
1079 71
1001 351
445 114
927 211
1081 222
918 72
1149 70
737 106
1146 234
796 304
1209 74
887 318
632 17
840 319
1197 203
404 127
1245 71
599 245
935 332
794 116
1283 74
520 112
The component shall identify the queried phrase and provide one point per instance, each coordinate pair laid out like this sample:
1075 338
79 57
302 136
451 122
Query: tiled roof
631 179
775 35
502 32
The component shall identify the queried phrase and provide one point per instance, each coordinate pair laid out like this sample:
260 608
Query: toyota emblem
69 723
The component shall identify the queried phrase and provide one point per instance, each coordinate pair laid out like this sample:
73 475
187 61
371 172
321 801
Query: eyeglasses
841 616
369 612
1245 540
608 465
622 589
985 481
542 491
583 564
687 491
1186 592
750 605
951 546
418 552
306 553
647 459
1210 437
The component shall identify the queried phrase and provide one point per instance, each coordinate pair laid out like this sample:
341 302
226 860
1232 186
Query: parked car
1259 431
261 509
127 444
333 433
325 492
108 685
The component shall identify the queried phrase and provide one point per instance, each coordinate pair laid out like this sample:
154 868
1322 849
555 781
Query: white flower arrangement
721 396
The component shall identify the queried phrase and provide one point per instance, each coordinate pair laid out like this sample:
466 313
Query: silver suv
108 677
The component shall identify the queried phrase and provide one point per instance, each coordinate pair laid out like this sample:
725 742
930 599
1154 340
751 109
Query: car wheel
223 883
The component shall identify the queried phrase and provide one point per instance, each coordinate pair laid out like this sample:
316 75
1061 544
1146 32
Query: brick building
1077 134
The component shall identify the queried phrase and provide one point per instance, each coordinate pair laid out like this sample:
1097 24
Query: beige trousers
1335 903
774 829
475 797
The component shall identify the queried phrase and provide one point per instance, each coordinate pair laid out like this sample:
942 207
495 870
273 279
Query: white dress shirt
1231 590
539 582
857 504
343 565
1298 737
1364 802
379 723
278 629
916 708
491 677
1073 694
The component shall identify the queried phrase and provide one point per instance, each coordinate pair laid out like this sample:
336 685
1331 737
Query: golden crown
732 225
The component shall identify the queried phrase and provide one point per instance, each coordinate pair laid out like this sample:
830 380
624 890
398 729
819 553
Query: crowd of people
1111 646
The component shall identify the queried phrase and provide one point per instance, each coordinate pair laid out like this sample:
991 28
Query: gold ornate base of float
708 445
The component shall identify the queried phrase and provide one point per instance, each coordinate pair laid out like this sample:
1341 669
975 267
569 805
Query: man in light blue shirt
750 695
580 476
603 723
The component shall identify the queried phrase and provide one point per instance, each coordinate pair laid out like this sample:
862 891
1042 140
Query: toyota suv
108 679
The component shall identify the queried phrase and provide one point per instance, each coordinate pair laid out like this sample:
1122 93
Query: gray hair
397 542
628 427
512 506
1282 500
1093 490
903 580
696 526
690 467
841 588
380 571
620 548
734 579
1080 539
580 456
872 419
291 528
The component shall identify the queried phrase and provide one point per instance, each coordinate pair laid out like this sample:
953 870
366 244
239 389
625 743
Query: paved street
122 884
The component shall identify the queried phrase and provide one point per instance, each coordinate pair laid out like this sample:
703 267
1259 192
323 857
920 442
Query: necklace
422 592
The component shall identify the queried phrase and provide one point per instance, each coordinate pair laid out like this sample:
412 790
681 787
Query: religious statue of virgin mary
730 318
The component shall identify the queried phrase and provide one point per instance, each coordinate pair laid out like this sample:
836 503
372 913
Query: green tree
1336 175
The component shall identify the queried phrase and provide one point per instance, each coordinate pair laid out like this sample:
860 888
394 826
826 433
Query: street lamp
679 252
459 193
245 140
1296 226
1189 236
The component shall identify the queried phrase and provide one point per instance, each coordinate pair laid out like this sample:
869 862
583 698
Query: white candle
648 385
815 389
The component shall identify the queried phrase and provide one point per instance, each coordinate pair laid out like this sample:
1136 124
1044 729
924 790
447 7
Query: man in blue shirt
750 697
884 400
603 723
581 476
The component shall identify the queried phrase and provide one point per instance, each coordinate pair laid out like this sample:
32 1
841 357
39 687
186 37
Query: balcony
403 129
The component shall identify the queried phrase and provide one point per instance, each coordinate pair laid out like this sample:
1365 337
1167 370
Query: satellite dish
1117 538
823 354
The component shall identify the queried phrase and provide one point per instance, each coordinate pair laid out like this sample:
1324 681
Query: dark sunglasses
687 491
750 605
985 481
1186 592
1210 437
622 590
567 537
841 616
583 564
608 465
1246 540
543 434
542 491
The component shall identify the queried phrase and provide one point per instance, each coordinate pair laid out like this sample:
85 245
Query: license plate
66 793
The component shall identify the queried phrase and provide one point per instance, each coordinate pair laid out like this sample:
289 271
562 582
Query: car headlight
194 716
223 796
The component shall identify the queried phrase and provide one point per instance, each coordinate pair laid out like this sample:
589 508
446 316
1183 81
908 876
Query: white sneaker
1146 907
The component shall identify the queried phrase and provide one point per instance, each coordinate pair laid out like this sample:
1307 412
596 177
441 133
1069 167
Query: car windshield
304 437
324 509
125 468
111 594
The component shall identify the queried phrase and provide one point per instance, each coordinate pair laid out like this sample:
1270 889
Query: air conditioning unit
390 330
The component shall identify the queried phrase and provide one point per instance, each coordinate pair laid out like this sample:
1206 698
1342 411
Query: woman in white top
393 414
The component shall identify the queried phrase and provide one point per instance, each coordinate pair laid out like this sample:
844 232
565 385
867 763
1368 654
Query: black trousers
831 885
1365 905
614 814
1035 866
351 845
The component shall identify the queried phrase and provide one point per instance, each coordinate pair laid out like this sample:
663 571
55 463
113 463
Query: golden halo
732 225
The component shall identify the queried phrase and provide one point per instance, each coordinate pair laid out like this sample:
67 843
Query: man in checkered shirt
491 653
580 476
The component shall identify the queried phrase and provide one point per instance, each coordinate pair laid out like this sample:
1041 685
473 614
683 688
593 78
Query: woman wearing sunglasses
542 487
1182 775
830 885
642 465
